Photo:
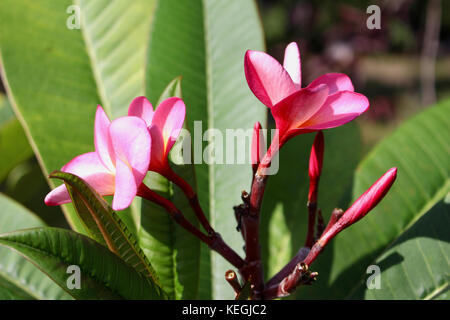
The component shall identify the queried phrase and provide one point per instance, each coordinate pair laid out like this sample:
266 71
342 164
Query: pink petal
169 117
338 109
131 142
142 108
293 111
292 64
102 141
57 196
335 82
88 167
126 186
158 160
267 79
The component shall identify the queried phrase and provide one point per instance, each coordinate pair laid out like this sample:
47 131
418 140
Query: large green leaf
284 212
417 264
174 253
420 149
103 274
14 146
104 225
55 90
20 279
204 41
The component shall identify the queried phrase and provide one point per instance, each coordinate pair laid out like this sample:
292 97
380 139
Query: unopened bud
315 165
366 202
258 145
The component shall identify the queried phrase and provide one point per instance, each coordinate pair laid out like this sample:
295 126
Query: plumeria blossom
164 124
327 102
118 165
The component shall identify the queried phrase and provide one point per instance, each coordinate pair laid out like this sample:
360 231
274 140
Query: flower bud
315 166
366 202
258 144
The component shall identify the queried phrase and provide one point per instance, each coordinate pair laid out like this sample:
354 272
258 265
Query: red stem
312 209
251 222
214 241
287 269
192 197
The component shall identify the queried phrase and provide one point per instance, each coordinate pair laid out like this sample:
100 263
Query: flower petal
169 117
142 108
131 142
338 109
158 161
102 141
292 63
267 79
296 109
88 167
335 82
126 186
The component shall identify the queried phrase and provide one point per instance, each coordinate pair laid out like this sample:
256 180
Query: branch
214 240
287 269
300 275
192 197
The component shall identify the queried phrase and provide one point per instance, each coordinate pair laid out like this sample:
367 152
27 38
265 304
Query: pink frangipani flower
118 165
164 124
327 102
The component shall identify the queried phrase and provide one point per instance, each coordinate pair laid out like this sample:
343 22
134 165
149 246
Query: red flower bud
366 202
315 166
258 143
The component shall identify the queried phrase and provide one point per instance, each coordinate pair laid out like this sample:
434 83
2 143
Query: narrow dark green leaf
104 225
19 278
103 274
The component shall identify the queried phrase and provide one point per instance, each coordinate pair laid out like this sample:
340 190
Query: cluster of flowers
128 147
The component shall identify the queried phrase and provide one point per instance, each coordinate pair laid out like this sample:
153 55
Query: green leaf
417 264
104 225
284 216
55 90
103 274
20 279
14 146
420 149
175 253
205 43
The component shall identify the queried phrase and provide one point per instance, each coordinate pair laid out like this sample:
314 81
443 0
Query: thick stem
232 279
192 197
299 275
250 222
335 216
287 269
214 241
312 209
